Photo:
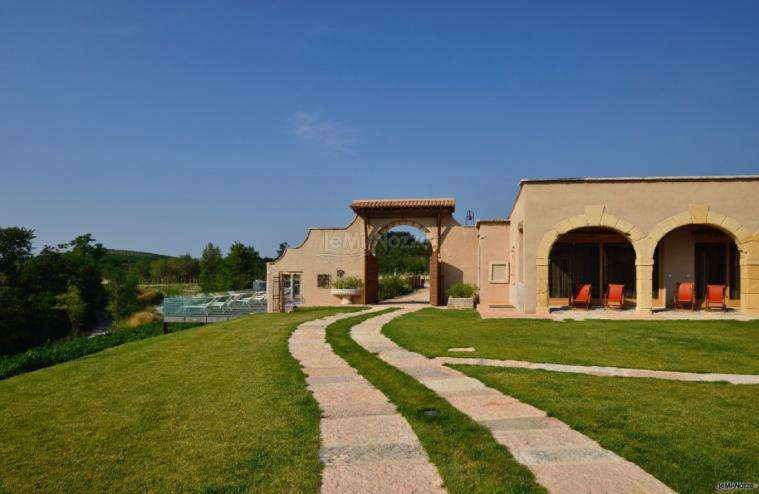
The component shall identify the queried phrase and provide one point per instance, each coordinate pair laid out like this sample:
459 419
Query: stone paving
605 371
366 445
599 313
563 460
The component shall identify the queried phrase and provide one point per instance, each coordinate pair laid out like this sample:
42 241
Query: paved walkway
605 371
366 445
563 460
561 314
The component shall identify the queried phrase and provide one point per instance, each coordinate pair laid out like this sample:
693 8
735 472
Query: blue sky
161 126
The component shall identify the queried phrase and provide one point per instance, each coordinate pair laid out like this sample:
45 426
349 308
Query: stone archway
594 216
428 215
376 236
746 242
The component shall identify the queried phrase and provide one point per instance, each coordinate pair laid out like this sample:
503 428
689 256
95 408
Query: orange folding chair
715 297
685 293
581 297
615 297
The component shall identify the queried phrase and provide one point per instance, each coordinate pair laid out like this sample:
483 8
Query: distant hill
126 258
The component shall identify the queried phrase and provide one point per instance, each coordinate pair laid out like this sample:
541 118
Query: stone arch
594 216
376 236
700 214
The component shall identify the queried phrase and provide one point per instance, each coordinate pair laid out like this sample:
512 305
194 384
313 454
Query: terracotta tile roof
382 204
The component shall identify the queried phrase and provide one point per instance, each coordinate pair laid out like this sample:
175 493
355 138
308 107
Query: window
322 280
499 272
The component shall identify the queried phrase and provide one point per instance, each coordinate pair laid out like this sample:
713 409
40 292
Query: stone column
749 269
541 280
644 269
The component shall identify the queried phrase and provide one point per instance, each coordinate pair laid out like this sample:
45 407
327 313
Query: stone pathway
366 445
563 460
605 371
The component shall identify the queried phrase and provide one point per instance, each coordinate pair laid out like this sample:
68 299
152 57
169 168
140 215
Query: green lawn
221 408
689 435
468 458
697 346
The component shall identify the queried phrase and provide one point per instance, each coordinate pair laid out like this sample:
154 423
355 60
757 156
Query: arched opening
699 254
596 256
403 255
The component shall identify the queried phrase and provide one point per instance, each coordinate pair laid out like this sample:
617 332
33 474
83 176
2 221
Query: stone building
647 233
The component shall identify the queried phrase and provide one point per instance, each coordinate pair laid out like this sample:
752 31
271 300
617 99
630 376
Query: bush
393 286
461 290
348 282
139 319
64 350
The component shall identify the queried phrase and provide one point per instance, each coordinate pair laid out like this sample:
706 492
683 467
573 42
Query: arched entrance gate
380 216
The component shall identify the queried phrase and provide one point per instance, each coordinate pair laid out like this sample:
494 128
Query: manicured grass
688 435
696 346
57 352
466 455
223 408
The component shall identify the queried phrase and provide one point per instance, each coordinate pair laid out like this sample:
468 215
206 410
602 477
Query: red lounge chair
581 297
685 293
615 297
715 297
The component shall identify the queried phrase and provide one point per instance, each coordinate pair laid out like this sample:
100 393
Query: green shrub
348 282
60 351
461 290
393 286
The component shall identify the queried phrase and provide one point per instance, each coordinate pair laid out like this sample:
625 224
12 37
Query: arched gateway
304 273
430 216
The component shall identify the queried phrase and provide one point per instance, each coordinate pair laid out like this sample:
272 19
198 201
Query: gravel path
366 445
563 460
604 371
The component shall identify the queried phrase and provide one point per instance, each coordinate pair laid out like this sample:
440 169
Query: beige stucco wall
494 248
679 260
458 245
324 251
327 250
645 212
518 253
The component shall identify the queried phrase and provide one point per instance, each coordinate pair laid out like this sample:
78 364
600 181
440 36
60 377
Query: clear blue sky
161 126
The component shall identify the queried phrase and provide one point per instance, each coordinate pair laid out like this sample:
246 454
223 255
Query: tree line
71 288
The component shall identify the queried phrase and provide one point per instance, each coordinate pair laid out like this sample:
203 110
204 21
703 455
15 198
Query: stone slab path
605 371
366 445
562 459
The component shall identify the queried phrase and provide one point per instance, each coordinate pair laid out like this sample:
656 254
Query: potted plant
346 287
461 296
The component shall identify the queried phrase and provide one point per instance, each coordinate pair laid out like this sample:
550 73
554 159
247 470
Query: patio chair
685 293
581 297
615 297
715 298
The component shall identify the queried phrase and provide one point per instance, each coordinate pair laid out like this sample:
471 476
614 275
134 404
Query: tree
75 307
402 252
122 290
242 265
282 248
15 249
211 269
